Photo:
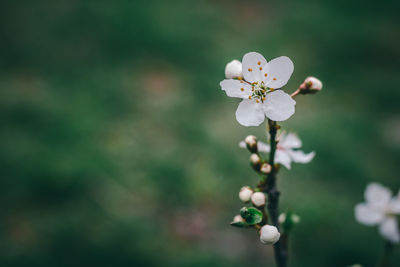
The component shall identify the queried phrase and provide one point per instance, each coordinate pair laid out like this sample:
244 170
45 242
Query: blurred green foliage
118 147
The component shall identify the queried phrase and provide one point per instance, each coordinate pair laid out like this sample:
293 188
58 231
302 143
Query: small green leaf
251 215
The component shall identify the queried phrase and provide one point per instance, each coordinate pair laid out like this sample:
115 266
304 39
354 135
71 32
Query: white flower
258 90
258 199
245 193
233 69
380 209
287 150
269 234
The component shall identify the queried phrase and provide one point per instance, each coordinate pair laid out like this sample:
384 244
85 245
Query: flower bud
311 85
245 193
251 143
265 168
269 234
282 218
255 159
258 199
238 218
233 69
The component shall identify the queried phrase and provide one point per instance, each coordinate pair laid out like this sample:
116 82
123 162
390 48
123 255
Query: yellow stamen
257 101
249 96
274 79
250 69
259 62
260 68
242 89
266 74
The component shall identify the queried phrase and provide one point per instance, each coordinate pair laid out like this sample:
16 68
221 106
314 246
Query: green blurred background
118 147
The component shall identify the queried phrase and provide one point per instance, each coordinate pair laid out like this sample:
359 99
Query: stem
280 247
385 262
295 93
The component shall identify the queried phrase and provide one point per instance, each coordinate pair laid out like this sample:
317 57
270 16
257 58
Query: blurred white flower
245 193
380 209
258 199
286 151
269 234
293 217
233 69
258 90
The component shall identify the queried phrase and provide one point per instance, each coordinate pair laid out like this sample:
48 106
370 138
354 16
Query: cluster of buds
250 142
257 198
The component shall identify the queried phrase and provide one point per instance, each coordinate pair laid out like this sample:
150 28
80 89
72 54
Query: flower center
259 91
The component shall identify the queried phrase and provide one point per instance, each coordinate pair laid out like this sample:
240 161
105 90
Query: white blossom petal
279 71
282 157
299 156
367 215
394 205
290 140
250 113
279 106
378 196
263 147
389 229
235 88
252 66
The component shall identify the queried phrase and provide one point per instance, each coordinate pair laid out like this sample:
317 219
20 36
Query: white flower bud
269 234
245 193
238 218
265 168
295 218
255 159
258 199
251 140
310 85
282 218
313 83
251 143
233 69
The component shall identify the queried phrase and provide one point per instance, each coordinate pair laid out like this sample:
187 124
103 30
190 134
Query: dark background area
118 147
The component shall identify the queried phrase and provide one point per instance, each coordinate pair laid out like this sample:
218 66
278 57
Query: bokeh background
118 147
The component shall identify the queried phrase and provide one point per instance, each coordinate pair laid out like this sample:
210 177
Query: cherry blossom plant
259 84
